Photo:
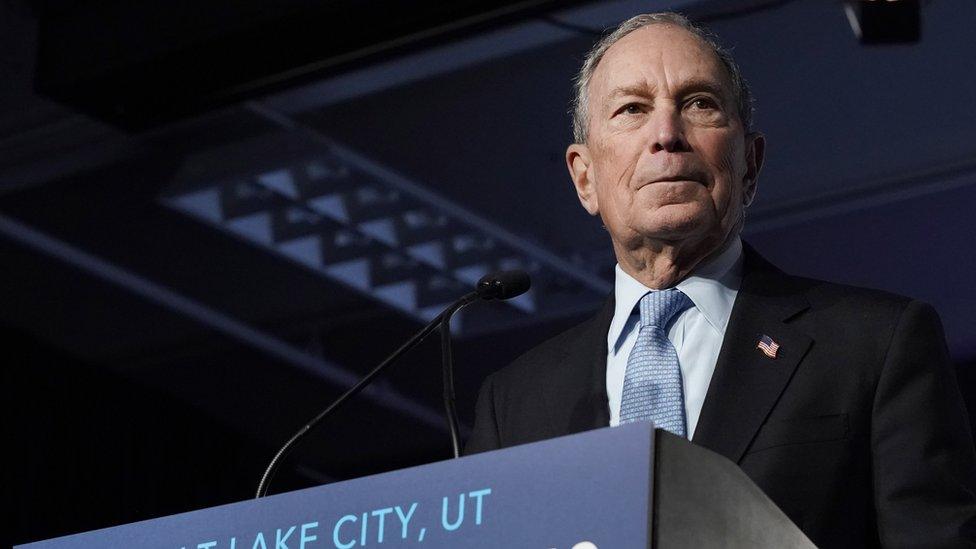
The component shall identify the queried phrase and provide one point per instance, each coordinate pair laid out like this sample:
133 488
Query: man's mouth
680 178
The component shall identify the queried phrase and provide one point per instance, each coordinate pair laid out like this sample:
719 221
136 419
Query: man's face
666 159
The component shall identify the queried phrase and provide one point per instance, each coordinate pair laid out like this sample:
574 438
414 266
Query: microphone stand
439 320
447 370
497 285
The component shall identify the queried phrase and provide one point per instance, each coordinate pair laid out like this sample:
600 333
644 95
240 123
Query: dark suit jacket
856 429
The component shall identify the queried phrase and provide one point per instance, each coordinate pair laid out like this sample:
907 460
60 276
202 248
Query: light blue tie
652 384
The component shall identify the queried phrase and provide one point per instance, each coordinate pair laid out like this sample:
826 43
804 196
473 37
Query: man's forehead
635 63
641 87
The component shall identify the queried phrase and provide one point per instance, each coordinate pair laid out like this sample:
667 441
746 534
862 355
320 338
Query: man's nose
667 131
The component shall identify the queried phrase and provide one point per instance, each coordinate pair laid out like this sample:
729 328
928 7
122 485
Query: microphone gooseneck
447 374
500 285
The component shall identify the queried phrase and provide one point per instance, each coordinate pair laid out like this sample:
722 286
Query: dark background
215 216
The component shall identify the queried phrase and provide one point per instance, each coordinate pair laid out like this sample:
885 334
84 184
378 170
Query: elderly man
840 403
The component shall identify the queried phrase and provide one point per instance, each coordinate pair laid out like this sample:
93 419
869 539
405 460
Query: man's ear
580 170
755 155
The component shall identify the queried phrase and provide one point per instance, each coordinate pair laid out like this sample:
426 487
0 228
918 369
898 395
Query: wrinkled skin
667 164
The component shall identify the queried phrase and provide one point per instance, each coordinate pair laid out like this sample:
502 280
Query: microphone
503 285
498 285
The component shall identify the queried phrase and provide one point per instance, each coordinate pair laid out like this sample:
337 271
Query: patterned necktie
652 384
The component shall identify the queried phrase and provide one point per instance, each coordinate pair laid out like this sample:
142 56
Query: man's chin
675 227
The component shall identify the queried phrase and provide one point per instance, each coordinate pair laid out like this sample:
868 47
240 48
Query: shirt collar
712 287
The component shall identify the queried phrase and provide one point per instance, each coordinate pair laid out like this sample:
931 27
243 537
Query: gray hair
741 92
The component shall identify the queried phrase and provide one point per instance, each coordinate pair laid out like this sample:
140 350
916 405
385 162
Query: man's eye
703 103
631 108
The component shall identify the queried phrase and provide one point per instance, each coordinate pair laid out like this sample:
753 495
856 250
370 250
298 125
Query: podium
611 488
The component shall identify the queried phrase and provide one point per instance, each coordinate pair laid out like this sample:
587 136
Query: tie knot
658 308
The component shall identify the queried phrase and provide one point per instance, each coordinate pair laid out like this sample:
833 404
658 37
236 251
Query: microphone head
503 284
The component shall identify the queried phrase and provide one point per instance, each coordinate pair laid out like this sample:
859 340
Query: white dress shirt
696 333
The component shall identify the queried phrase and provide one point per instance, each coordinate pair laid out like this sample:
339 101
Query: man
840 403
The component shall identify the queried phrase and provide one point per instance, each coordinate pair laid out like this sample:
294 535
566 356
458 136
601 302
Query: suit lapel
575 391
747 383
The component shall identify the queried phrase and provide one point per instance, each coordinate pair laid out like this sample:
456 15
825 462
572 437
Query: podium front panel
593 487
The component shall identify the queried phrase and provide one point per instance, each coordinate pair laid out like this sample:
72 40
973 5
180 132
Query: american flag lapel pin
768 346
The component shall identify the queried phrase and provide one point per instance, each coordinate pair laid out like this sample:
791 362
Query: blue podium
592 490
